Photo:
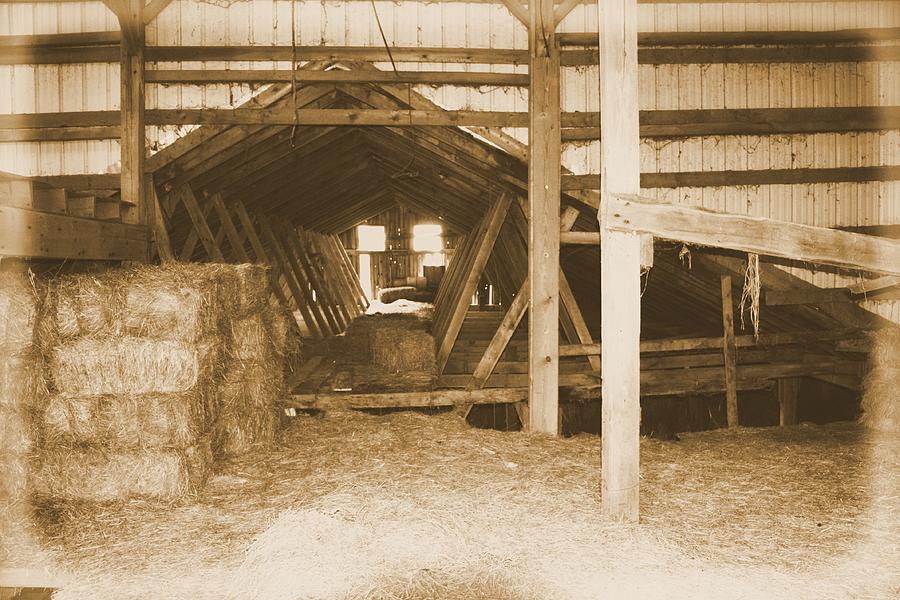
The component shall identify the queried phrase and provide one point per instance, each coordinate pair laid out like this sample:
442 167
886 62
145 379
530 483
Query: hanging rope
294 70
750 294
390 54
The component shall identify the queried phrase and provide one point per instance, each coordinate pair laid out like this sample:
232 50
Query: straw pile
414 506
400 344
254 366
881 387
134 358
23 394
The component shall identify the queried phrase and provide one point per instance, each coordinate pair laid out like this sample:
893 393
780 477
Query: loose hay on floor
413 506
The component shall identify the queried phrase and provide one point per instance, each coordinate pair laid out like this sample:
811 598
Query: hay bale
182 302
127 422
251 340
249 285
881 399
22 381
131 366
248 411
16 468
388 295
398 346
19 306
16 429
95 475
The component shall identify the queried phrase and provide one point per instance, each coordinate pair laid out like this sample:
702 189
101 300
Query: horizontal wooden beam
110 181
28 54
758 235
716 343
55 40
747 177
654 123
60 134
28 233
743 38
338 400
335 76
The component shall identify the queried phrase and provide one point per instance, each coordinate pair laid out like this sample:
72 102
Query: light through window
427 238
371 238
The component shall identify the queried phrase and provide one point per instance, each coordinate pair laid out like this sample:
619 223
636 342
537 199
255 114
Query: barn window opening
428 238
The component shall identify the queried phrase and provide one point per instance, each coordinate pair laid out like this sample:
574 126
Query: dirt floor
414 506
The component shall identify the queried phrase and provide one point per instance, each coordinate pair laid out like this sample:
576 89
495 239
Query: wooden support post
729 351
620 264
544 145
131 22
788 391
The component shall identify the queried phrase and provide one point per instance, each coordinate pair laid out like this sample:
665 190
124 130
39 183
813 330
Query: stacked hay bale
135 357
880 401
254 373
400 344
23 394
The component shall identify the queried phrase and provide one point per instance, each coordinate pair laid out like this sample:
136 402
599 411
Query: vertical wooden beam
788 391
620 264
729 351
544 145
131 23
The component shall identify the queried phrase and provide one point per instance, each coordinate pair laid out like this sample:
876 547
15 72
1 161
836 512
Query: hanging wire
390 54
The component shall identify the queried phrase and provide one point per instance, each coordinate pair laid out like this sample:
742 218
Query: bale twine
881 386
400 346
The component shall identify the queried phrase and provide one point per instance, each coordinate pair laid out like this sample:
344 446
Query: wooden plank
870 286
563 10
744 38
198 220
577 125
29 233
517 10
544 145
153 8
759 235
301 299
349 268
729 353
79 206
457 312
339 400
338 53
234 239
787 390
461 78
570 304
501 338
297 251
60 134
131 23
621 263
161 238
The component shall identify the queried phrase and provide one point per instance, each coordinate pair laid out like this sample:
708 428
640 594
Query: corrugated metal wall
479 24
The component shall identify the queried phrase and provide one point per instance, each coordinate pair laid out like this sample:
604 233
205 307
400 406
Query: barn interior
563 299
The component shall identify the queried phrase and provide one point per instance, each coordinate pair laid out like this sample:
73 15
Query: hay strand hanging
750 294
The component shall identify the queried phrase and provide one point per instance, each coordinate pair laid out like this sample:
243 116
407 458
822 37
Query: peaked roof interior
331 178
